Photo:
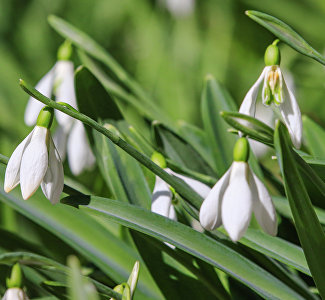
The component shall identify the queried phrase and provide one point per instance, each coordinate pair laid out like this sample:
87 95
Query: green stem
181 187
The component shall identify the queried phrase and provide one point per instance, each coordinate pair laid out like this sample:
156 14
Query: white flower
162 196
275 90
36 162
70 132
232 200
15 294
180 8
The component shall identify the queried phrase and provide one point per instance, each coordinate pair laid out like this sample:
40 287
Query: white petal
34 162
291 115
53 181
262 205
202 189
172 213
161 198
79 153
180 7
248 105
15 294
44 86
236 207
65 91
13 167
210 211
60 138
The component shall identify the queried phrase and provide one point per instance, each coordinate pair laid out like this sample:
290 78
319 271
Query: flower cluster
70 135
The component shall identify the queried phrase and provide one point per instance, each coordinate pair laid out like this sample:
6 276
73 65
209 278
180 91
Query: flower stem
181 187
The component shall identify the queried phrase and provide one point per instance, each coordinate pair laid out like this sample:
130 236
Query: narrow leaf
309 230
286 34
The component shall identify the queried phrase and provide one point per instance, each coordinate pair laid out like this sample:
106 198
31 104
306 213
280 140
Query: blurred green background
168 55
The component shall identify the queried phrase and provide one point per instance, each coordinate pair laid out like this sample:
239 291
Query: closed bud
272 54
241 150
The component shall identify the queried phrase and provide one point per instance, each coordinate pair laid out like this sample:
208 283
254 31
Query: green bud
272 54
241 150
65 51
45 117
16 277
159 159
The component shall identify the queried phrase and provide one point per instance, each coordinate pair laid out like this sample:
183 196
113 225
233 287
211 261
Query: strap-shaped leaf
191 241
249 126
286 34
309 230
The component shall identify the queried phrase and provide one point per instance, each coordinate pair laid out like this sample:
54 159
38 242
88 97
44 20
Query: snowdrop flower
179 8
70 135
36 162
14 291
237 194
162 196
275 91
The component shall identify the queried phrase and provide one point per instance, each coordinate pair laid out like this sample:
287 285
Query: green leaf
283 207
314 137
79 287
85 42
277 248
309 230
249 126
191 241
179 150
83 233
215 99
121 172
286 34
43 263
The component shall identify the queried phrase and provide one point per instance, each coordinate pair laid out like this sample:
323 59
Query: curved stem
180 186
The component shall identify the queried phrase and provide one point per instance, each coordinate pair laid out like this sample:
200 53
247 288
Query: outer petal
53 181
13 167
15 294
262 205
33 107
60 138
162 199
248 105
291 115
202 189
236 209
79 152
64 91
34 162
210 211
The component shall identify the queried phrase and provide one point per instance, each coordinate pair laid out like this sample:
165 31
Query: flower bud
45 117
15 279
241 150
159 159
65 51
272 54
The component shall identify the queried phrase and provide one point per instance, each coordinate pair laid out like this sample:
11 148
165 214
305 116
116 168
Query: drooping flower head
275 93
237 194
36 162
70 135
162 196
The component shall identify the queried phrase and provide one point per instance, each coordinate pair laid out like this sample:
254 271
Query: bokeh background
168 53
